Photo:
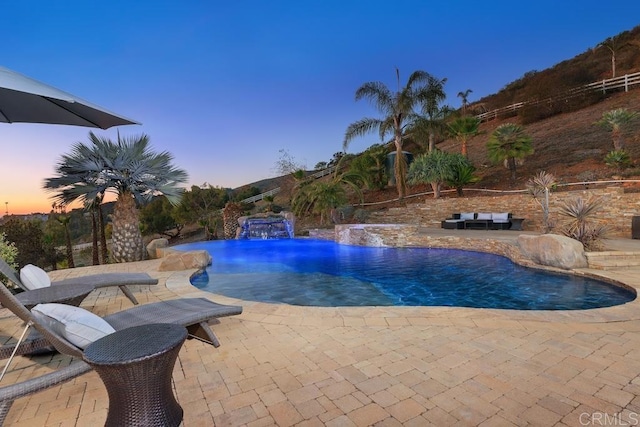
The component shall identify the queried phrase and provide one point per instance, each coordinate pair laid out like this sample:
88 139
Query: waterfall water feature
272 227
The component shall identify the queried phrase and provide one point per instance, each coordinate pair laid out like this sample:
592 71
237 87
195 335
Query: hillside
567 144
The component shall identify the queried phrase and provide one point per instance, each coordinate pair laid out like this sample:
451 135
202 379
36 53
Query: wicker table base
135 365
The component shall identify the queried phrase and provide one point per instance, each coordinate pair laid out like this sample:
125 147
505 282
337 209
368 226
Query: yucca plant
581 224
540 186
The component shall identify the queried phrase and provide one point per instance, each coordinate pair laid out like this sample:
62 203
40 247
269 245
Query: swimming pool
323 273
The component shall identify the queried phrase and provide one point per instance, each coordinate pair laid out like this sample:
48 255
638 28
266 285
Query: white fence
622 82
276 190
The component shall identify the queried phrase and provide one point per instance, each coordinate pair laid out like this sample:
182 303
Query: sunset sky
224 86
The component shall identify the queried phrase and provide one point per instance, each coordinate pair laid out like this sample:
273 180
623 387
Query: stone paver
414 366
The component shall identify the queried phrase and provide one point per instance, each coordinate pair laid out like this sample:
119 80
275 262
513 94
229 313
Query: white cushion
466 215
77 325
500 217
453 220
484 216
33 277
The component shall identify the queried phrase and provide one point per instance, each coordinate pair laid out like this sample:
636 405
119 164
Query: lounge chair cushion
484 216
33 277
77 325
466 215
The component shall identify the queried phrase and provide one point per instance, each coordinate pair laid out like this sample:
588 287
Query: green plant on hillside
436 168
323 197
462 173
539 187
462 129
618 159
398 112
509 142
127 168
615 121
370 165
581 224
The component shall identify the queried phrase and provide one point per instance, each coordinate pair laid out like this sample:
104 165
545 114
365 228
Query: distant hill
566 141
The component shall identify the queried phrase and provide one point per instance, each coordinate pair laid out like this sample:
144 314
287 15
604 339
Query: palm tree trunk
511 161
618 141
104 253
432 141
400 168
127 244
67 238
94 237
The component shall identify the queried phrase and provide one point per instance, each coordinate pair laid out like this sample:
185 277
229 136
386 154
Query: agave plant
580 224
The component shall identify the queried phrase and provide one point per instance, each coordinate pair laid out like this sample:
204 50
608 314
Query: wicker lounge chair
193 313
121 280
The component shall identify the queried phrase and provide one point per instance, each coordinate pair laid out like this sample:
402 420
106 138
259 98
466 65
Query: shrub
618 159
9 253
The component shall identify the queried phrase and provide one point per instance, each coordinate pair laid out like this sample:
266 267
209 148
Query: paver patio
415 366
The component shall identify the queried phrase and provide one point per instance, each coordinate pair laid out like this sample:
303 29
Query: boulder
152 247
553 250
176 260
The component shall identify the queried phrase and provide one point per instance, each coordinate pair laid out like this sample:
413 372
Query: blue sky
224 86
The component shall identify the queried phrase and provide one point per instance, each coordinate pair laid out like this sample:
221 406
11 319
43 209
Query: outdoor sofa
478 221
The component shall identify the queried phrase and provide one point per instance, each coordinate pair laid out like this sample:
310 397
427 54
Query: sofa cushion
484 216
500 217
77 325
467 215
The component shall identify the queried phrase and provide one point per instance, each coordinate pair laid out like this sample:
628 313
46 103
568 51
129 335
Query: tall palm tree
508 143
127 168
432 121
463 128
615 120
464 96
398 112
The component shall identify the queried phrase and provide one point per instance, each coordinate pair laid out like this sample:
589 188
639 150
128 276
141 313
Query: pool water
323 273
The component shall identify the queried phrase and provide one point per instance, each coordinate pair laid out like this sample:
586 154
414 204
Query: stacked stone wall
616 212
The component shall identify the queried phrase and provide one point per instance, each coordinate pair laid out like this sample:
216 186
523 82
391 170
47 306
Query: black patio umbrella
25 100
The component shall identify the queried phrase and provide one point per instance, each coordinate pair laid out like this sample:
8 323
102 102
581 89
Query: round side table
136 365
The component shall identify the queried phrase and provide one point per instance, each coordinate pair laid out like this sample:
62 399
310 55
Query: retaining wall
616 212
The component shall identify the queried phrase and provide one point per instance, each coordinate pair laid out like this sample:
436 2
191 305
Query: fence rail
261 196
623 82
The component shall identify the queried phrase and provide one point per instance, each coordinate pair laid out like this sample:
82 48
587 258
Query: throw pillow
77 325
484 216
467 215
33 277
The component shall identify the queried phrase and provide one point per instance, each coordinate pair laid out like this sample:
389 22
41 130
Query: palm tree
398 112
462 129
464 96
127 168
615 120
432 121
508 143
